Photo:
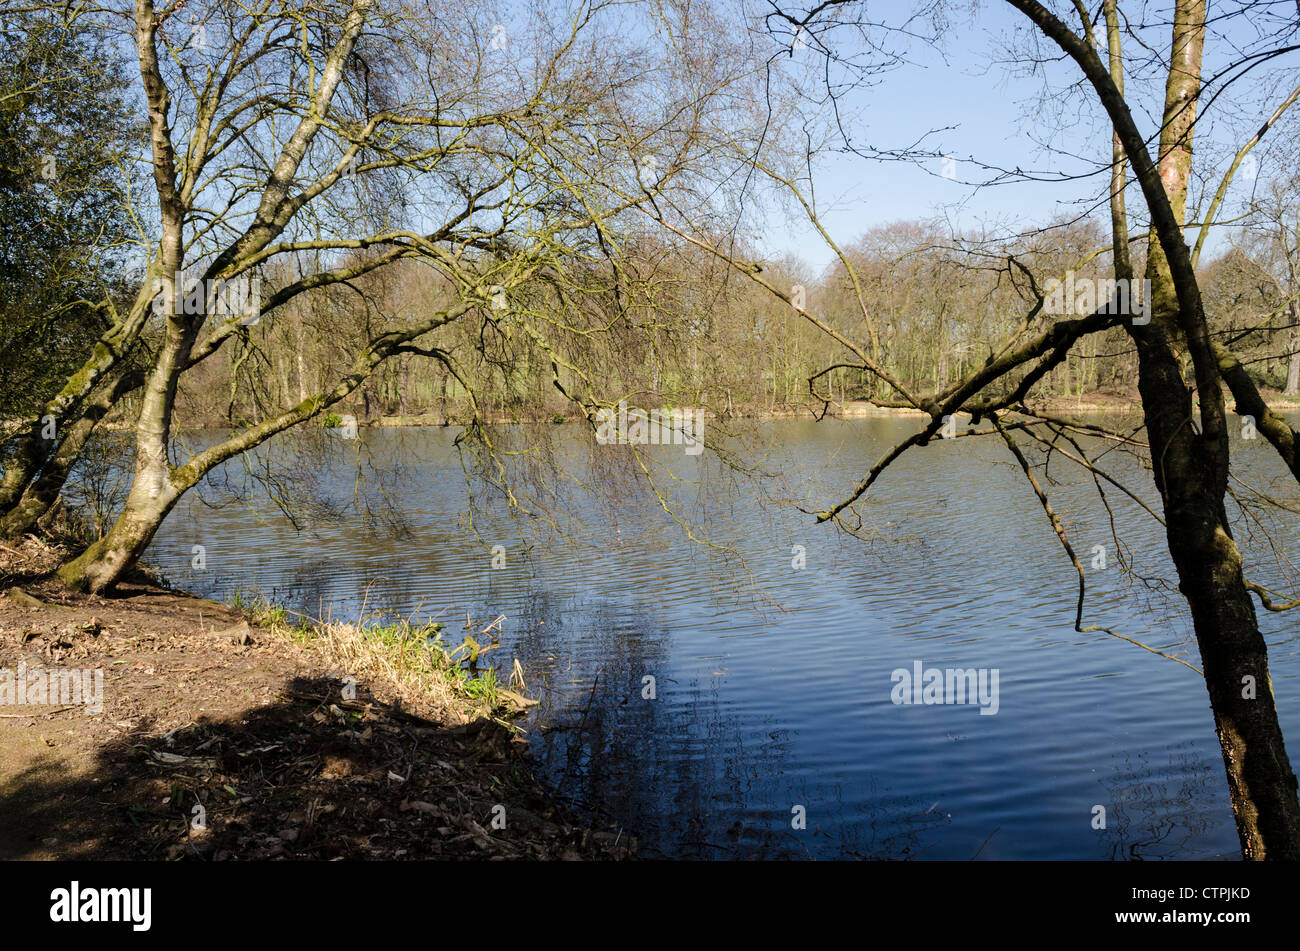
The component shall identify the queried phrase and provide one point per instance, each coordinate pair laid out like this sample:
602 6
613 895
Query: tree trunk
302 368
1234 656
31 449
1293 367
41 494
153 489
1191 470
104 563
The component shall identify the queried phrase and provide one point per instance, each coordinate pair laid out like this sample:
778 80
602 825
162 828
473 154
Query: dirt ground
221 740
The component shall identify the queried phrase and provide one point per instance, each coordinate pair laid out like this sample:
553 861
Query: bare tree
350 137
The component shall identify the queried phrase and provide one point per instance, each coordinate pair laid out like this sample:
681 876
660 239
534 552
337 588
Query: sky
988 110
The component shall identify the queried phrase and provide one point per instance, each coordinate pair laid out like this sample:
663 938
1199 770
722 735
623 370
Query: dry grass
409 663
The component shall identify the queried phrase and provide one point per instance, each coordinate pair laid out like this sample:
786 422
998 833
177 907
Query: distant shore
1089 403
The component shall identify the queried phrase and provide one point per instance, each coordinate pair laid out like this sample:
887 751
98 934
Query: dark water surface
774 683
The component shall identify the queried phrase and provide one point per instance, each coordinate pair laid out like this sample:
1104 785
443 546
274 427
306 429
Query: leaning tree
299 151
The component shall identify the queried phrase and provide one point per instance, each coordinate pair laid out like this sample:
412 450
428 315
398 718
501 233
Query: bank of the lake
231 733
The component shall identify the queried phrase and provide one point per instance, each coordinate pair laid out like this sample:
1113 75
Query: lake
774 642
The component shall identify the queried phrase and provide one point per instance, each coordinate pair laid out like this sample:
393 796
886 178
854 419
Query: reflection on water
771 676
1160 811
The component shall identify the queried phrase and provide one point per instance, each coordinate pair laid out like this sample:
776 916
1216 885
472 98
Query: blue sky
990 111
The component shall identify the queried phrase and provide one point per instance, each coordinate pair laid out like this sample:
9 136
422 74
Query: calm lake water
773 683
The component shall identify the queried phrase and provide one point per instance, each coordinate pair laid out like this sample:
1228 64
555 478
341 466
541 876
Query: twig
24 716
984 843
581 723
1069 550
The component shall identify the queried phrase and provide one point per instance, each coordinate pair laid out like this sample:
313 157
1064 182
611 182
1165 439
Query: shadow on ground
311 776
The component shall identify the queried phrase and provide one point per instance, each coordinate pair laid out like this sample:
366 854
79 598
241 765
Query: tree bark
42 493
1293 365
